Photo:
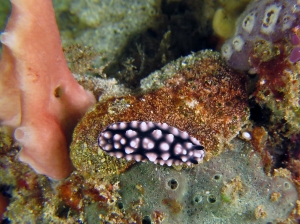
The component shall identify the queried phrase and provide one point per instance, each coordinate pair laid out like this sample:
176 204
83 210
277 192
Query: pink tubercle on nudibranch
295 55
295 40
149 141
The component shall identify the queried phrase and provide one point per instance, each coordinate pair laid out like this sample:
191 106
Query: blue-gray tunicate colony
265 20
231 188
156 142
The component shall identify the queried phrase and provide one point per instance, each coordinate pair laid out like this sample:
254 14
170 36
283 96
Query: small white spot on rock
262 82
246 136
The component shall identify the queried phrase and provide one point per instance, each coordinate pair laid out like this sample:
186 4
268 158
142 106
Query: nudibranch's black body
156 142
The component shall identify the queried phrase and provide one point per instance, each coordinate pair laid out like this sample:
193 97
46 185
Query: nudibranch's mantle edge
150 141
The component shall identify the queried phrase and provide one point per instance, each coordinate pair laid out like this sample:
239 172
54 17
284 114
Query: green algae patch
225 198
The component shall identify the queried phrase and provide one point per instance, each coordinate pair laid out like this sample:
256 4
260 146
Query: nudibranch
146 140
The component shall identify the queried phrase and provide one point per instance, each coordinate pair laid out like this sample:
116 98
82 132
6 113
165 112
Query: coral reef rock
264 44
136 37
106 25
197 94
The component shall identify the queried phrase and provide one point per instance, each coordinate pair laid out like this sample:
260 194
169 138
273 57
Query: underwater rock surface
230 188
197 94
263 43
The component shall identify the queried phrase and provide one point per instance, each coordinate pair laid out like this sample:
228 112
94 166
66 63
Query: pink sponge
39 95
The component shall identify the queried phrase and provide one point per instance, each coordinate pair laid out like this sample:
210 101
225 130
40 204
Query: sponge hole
173 184
197 199
286 185
146 220
217 177
211 199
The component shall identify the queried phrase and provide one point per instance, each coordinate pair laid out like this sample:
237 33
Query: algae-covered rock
134 38
198 94
104 25
263 44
